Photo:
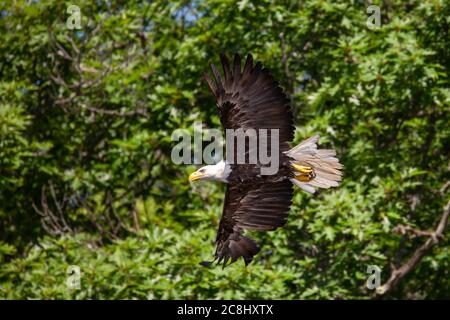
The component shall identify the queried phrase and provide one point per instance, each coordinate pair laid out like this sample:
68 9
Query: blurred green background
86 117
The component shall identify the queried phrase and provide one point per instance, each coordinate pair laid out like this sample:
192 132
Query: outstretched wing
251 99
261 207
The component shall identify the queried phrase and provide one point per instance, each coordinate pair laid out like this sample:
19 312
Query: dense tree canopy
86 117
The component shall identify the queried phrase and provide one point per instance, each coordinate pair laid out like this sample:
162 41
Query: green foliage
85 122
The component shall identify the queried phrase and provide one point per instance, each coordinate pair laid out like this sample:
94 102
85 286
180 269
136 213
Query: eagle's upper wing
251 99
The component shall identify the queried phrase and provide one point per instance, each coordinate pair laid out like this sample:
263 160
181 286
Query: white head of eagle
250 98
217 172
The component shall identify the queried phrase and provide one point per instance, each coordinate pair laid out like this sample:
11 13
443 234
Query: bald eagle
250 98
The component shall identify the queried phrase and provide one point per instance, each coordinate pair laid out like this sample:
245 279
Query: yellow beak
195 176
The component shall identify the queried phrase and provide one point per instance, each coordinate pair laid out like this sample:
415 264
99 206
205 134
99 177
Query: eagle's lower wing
262 206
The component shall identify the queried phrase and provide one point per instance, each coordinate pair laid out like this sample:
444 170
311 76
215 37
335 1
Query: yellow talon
303 178
302 169
306 173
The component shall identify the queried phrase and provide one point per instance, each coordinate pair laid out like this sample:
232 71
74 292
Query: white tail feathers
314 168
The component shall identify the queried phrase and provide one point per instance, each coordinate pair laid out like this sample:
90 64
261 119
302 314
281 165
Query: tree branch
434 238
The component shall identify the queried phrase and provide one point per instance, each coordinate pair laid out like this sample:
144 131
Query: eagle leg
305 173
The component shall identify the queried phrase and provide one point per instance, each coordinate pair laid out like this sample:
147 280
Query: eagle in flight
250 98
